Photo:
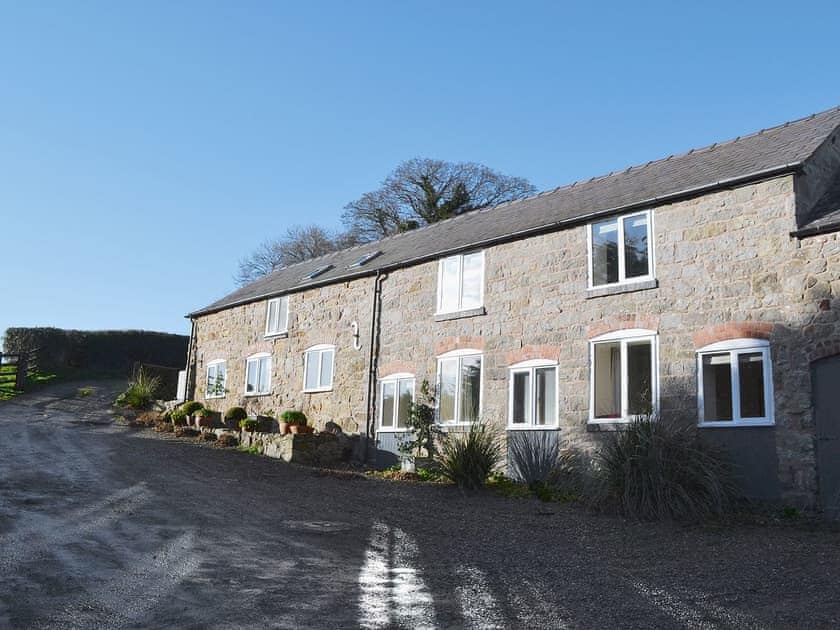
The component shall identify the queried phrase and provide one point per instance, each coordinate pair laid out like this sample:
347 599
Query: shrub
294 417
140 393
249 424
235 414
533 457
178 417
655 469
227 440
204 412
424 430
191 407
468 459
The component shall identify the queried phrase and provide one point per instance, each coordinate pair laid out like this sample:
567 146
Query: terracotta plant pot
295 429
307 429
283 427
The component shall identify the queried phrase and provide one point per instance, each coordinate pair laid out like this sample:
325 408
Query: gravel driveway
105 526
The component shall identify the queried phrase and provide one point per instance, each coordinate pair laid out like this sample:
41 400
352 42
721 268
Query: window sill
215 397
256 394
725 424
547 427
611 424
393 430
472 312
277 335
317 391
625 287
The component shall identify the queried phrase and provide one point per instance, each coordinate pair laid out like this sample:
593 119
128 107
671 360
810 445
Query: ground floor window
258 374
533 394
459 386
624 382
735 383
216 379
318 368
396 396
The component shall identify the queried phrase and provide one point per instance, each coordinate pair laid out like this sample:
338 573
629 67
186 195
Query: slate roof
762 154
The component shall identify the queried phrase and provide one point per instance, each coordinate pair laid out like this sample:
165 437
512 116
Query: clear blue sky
146 146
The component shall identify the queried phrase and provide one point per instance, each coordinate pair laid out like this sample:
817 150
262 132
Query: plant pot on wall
295 429
283 427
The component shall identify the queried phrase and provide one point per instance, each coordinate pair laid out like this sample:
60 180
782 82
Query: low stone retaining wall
313 449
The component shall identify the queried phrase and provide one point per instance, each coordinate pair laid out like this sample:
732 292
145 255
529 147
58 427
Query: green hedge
114 351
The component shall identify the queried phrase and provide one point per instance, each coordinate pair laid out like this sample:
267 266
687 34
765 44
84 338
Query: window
319 271
216 379
620 250
459 386
735 383
364 259
277 316
318 368
461 283
624 379
397 394
533 395
258 374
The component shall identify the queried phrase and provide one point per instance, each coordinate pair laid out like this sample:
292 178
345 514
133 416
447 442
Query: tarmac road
102 526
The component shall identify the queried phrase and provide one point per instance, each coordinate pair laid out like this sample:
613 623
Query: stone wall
725 267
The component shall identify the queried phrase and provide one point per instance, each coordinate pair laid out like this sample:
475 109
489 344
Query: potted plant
178 417
234 416
205 418
191 407
249 424
291 418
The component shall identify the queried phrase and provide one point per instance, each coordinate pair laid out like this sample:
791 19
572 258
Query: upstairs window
623 381
277 316
397 395
216 379
533 395
461 283
459 387
258 374
735 384
620 250
318 368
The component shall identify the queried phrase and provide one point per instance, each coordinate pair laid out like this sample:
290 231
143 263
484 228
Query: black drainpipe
373 360
190 349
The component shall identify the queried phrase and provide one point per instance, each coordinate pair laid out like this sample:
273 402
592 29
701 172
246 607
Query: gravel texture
103 526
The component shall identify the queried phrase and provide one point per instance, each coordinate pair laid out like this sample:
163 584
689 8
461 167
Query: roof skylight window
319 271
365 259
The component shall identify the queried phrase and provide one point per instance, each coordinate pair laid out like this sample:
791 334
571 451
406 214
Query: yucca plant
533 457
654 469
468 458
141 392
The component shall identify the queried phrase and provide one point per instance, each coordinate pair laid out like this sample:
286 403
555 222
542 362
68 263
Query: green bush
178 417
249 424
204 412
655 469
235 414
424 430
191 406
140 393
468 458
292 416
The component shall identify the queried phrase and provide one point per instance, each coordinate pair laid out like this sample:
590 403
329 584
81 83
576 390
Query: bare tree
423 191
299 243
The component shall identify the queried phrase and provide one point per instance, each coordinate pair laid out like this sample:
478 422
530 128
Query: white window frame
280 330
257 358
530 367
735 347
459 355
395 379
214 364
320 350
624 337
460 281
622 280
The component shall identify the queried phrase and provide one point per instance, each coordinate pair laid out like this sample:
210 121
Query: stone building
704 286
